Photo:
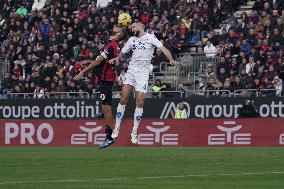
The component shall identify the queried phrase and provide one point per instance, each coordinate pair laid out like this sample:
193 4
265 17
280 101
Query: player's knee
106 109
140 103
123 100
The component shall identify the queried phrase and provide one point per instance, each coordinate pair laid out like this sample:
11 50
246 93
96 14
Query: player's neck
141 34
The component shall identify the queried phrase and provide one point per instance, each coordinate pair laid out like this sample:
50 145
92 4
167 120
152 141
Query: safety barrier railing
245 92
168 74
95 95
68 95
164 94
18 95
188 93
209 93
255 92
47 95
150 94
263 92
192 65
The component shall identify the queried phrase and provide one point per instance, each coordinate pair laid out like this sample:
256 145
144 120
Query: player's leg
108 118
125 94
106 100
140 97
141 88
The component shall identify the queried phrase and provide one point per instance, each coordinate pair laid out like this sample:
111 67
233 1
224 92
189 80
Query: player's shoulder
132 38
150 36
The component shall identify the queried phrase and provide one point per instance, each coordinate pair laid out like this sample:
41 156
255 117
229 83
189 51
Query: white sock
137 117
119 115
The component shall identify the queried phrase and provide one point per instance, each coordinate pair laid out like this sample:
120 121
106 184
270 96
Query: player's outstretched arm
127 47
90 66
168 54
117 59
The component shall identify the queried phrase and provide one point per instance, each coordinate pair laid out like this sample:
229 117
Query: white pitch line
139 178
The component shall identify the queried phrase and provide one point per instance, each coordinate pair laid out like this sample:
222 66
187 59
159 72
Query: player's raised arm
93 63
164 50
108 52
127 47
117 59
168 54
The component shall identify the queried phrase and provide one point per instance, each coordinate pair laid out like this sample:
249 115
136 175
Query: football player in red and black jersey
107 78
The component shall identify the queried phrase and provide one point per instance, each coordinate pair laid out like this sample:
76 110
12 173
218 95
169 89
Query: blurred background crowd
44 45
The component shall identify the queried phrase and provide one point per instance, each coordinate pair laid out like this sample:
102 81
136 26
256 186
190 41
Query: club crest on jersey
139 46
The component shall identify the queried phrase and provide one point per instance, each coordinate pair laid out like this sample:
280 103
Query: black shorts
106 92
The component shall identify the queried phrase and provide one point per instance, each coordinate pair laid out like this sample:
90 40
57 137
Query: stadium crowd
45 47
251 53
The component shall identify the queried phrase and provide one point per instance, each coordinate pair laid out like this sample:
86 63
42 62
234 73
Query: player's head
137 28
118 33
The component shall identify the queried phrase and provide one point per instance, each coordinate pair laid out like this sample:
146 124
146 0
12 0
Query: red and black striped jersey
110 51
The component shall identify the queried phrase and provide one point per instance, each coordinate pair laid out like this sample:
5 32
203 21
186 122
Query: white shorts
138 80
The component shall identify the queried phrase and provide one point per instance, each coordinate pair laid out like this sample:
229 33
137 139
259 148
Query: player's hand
173 63
79 76
114 60
83 62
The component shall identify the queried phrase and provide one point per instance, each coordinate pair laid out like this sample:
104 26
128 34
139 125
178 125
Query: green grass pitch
139 168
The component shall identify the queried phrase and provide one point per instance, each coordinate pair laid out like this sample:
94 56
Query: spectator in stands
209 73
16 90
210 50
249 81
243 65
269 89
260 75
73 89
281 70
157 88
60 87
250 67
5 84
223 64
181 112
29 88
182 93
237 85
271 73
221 75
243 77
245 48
213 85
226 86
41 42
278 84
270 62
22 11
251 38
39 92
258 85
